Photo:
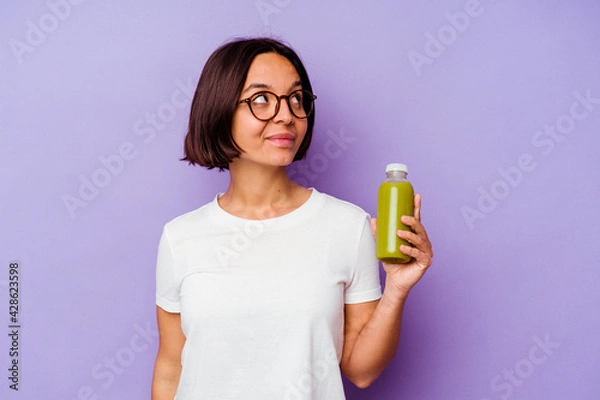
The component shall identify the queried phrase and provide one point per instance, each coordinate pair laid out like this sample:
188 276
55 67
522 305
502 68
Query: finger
420 242
411 237
417 210
414 224
373 226
423 259
418 230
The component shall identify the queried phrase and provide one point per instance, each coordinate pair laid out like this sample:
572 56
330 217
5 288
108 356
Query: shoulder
191 220
342 208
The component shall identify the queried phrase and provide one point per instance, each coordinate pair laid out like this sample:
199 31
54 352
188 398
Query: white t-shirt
262 302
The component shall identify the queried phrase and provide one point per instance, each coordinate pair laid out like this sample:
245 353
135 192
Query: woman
271 291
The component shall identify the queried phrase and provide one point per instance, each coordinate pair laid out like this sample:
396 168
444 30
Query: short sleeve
167 293
365 284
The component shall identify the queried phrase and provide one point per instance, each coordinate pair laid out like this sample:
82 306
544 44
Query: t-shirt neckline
305 209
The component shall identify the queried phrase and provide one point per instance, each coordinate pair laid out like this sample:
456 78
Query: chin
284 161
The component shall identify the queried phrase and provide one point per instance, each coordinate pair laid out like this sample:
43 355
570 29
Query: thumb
373 226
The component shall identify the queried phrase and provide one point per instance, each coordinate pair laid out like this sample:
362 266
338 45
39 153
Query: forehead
272 69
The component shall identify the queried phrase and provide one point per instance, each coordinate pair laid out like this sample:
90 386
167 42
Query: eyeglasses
265 105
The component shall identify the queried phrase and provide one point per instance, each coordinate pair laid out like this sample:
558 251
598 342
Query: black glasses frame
305 95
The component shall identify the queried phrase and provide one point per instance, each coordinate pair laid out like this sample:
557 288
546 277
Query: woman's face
274 142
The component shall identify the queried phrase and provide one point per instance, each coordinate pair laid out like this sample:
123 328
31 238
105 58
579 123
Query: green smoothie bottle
395 199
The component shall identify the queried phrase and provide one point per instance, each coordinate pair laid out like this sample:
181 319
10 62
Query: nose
284 114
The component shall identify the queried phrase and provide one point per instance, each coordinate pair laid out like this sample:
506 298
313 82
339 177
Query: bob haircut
209 140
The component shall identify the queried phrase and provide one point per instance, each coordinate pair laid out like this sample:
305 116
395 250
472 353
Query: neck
260 192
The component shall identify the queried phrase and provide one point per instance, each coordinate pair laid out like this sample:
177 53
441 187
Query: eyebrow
265 86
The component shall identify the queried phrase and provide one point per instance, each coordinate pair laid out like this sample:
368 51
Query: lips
284 139
286 135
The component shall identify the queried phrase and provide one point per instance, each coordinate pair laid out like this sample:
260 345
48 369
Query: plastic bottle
395 199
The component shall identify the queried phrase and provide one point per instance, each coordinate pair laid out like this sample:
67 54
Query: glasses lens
301 103
263 105
297 104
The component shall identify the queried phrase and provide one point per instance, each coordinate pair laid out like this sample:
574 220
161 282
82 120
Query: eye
296 99
260 99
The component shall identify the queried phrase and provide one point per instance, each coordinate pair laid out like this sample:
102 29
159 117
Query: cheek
239 123
301 127
244 126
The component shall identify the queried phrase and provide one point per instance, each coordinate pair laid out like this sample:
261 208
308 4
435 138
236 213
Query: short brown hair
209 140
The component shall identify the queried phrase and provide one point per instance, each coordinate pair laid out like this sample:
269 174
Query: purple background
519 271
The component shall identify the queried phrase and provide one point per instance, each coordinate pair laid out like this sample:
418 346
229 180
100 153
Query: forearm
165 381
376 344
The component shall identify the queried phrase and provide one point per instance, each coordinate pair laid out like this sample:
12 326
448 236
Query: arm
167 367
372 329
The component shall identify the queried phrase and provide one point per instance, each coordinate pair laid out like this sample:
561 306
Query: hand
404 276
